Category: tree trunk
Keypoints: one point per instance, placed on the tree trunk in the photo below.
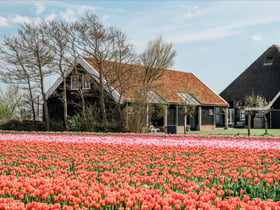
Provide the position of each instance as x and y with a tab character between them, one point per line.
185	123
46	110
147	118
83	104
102	98
265	124
249	124
32	101
65	103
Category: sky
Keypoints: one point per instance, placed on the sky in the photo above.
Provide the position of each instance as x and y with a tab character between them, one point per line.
215	40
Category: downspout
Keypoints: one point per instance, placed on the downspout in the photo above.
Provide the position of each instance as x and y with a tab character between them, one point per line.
127	115
226	118
199	118
177	113
165	118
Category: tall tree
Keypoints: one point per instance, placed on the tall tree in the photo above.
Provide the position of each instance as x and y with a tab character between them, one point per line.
102	44
15	68
59	45
38	57
117	74
95	42
158	56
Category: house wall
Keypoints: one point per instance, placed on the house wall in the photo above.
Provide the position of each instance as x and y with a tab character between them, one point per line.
207	118
171	115
207	127
74	101
275	115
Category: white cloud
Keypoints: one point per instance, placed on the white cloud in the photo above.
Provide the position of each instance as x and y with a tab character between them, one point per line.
50	17
39	8
192	12
105	17
21	19
4	22
257	38
68	15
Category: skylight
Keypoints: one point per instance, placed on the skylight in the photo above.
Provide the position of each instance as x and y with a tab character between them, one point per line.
268	61
190	100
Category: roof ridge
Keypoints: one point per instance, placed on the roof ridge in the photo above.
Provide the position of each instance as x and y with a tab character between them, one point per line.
132	64
277	46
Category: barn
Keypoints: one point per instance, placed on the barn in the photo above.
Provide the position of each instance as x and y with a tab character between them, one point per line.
172	90
261	78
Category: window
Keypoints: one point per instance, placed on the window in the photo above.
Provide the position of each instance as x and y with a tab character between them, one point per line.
86	82
75	83
242	115
268	61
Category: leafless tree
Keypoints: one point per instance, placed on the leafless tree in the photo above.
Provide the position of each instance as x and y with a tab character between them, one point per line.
118	74
38	57
15	68
9	103
60	46
102	44
255	103
158	56
94	40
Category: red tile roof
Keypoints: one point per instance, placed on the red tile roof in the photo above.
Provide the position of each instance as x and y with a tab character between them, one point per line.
168	85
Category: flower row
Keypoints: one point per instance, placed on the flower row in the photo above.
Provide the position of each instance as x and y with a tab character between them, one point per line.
81	172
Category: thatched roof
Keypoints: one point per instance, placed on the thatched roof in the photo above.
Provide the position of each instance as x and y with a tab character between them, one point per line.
262	78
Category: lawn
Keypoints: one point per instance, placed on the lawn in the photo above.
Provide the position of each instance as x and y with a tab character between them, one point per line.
237	131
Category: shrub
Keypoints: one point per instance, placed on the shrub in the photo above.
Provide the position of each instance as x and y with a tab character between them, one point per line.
26	125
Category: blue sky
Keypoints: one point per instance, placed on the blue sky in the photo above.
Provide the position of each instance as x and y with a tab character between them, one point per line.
215	40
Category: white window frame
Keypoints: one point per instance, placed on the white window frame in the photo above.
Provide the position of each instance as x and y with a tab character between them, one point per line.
242	115
77	85
86	83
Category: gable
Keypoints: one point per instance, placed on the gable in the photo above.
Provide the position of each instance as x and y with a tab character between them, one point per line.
262	78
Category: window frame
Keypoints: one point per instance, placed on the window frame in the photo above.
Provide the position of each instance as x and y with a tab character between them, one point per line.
242	115
86	80
268	61
77	85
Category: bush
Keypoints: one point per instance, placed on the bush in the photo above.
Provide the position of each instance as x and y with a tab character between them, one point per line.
89	123
26	125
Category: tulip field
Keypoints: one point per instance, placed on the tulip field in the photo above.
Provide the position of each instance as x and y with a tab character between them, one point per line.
58	171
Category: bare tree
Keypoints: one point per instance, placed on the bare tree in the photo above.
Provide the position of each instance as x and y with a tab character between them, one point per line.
95	42
118	74
158	56
38	57
15	69
102	44
9	103
60	45
255	103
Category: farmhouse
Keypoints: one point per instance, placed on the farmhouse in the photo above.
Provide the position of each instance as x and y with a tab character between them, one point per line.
261	78
171	91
